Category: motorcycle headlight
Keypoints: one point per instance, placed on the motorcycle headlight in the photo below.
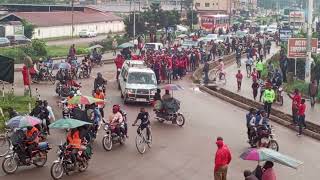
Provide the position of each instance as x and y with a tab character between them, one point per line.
106	127
129	91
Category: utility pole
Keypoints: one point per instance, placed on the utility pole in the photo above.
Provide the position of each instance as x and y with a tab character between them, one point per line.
309	46
134	20
72	14
192	16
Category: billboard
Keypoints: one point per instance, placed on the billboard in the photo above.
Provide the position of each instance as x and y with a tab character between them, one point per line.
285	34
297	47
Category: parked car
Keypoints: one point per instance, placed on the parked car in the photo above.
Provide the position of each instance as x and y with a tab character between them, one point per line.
18	39
87	33
4	42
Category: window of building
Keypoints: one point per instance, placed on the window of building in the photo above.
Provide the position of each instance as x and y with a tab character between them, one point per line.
206	4
212	4
197	4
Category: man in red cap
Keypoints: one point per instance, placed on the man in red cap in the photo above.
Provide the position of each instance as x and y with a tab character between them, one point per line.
222	160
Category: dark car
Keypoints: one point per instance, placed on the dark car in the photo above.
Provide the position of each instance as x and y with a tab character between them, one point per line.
18	39
4	42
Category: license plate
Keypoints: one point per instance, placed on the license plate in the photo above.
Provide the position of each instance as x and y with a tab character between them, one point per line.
140	99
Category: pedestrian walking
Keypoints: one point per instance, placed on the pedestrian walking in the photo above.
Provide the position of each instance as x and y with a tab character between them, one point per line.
296	101
206	72
114	46
301	116
268	171
254	75
222	160
249	176
255	86
239	77
313	92
268	98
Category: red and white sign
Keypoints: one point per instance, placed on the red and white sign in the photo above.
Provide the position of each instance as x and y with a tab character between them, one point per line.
297	47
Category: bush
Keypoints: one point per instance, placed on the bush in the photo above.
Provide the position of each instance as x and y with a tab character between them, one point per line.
298	84
82	51
107	43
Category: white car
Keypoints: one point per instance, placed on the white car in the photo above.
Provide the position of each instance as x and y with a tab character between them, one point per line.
87	33
272	29
137	83
209	37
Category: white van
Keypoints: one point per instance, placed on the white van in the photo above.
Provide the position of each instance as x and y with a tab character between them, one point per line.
153	46
137	84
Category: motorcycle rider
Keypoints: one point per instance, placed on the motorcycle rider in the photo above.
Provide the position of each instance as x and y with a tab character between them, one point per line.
74	144
41	112
166	96
96	56
250	117
115	119
261	124
99	81
32	140
100	95
143	116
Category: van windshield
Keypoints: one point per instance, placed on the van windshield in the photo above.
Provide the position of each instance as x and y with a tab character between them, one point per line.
141	78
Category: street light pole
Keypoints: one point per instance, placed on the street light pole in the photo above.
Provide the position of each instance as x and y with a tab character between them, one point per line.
192	16
72	23
134	20
309	40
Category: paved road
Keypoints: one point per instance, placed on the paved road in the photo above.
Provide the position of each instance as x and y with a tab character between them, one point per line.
178	153
312	114
76	40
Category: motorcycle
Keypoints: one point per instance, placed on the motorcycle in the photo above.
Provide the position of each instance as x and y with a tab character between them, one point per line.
263	138
102	86
18	157
112	137
175	118
64	163
63	90
83	72
45	74
280	95
96	60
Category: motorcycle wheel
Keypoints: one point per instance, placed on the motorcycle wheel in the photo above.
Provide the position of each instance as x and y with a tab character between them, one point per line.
273	145
41	159
9	165
160	120
83	165
4	146
180	120
122	139
56	170
107	143
52	79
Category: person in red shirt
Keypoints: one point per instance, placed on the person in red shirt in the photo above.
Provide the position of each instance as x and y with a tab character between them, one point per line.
239	77
296	101
254	75
222	160
301	116
119	60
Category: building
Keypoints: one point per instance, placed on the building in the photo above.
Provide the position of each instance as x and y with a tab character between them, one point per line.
214	6
59	23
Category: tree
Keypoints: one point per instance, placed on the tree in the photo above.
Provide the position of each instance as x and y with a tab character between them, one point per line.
28	29
191	20
140	24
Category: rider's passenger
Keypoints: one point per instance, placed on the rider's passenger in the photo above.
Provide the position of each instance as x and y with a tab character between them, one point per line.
143	116
166	96
32	139
115	119
157	95
74	143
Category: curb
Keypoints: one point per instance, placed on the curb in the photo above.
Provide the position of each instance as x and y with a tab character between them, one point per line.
273	117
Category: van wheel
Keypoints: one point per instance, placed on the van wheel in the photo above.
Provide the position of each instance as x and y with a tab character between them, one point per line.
121	94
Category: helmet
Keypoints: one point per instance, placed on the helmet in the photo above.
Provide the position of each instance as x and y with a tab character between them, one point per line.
99	74
116	108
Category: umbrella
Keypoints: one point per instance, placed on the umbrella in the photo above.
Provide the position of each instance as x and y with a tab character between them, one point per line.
265	154
95	46
84	100
23	121
182	36
126	45
172	87
67	124
64	65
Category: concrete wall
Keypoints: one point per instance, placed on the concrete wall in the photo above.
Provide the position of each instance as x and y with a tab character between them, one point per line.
60	31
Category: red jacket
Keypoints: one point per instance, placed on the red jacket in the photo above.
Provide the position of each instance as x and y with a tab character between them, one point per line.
119	62
25	76
223	155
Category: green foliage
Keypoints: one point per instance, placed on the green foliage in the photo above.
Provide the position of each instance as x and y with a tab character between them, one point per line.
107	43
151	20
19	103
298	84
191	21
28	29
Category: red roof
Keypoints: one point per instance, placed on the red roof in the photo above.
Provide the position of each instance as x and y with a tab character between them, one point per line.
60	18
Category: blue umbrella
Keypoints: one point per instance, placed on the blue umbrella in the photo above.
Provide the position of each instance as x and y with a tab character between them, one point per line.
23	121
64	65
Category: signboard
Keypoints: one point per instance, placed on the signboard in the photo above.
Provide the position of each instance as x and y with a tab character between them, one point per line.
285	34
297	47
